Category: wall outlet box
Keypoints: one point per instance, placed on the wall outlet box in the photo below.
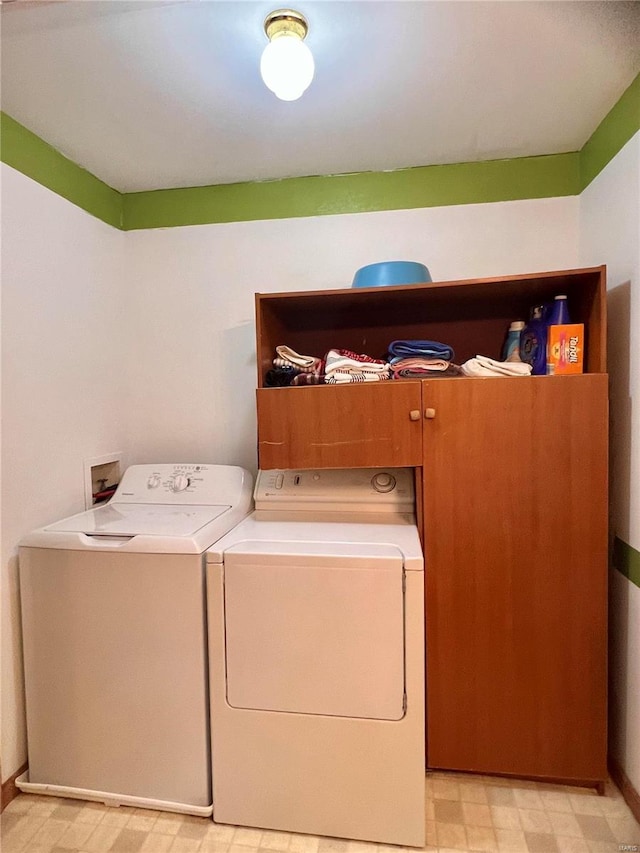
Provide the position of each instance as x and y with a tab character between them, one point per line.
100	473
565	349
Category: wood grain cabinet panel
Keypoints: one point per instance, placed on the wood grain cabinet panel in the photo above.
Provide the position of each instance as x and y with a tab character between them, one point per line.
515	496
359	426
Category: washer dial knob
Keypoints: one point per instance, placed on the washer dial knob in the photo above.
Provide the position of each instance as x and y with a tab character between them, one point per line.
383	482
154	481
179	483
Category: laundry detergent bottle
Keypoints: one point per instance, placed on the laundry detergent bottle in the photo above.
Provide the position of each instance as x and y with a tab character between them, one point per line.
511	348
559	313
533	341
558	316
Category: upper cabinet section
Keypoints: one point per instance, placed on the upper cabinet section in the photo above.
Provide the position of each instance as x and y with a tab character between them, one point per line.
471	316
371	425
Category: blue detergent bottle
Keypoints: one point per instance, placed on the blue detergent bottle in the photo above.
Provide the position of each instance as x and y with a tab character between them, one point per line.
559	313
558	316
533	340
511	348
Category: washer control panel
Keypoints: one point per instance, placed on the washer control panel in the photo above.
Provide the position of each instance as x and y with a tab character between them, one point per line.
185	483
357	489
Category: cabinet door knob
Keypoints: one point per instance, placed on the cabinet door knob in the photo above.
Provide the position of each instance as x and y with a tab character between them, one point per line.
429	413
414	414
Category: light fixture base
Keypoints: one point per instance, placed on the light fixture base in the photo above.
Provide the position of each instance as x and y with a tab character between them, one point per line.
285	22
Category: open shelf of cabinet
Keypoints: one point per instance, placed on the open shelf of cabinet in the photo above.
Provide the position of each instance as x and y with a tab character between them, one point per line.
472	316
327	426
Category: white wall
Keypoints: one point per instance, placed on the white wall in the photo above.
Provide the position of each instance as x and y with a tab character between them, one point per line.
610	232
63	298
145	341
193	300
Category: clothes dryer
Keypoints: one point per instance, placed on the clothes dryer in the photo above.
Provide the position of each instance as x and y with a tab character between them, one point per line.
114	624
316	652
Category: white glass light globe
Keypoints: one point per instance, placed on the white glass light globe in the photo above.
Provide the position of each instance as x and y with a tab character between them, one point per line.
287	67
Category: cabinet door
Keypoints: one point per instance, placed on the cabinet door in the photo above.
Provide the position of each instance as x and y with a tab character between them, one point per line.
515	502
355	426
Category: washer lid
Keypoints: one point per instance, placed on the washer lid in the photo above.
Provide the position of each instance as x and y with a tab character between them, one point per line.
118	519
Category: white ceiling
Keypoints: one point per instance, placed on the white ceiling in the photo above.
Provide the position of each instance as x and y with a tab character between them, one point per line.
153	94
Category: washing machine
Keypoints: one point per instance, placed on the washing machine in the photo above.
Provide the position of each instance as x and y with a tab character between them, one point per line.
316	655
115	651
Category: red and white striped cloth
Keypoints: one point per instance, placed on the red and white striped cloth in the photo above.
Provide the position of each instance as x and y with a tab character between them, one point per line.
344	366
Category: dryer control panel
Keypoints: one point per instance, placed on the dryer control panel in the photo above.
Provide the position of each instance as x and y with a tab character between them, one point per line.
330	490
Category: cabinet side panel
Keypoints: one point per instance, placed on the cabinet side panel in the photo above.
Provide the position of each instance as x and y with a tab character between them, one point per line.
515	501
597	326
270	332
358	426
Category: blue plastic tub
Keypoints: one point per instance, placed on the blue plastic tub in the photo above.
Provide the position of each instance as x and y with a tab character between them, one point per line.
391	272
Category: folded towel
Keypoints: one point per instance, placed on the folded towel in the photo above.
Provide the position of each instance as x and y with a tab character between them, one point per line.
428	349
359	357
308	379
289	355
402	371
482	365
426	363
345	361
316	368
343	377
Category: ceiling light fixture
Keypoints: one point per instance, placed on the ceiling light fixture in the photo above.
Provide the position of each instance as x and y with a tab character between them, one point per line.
287	63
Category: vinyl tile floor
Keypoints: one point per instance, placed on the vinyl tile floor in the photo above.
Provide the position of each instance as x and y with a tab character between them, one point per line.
472	813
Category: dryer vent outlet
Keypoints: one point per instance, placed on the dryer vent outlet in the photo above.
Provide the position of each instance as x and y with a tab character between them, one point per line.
101	476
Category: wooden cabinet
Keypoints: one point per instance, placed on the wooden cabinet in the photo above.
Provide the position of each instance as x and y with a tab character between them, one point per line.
515	486
471	316
513	504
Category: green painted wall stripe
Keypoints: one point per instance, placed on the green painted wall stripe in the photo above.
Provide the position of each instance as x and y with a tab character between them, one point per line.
29	154
425	186
626	560
613	132
421	186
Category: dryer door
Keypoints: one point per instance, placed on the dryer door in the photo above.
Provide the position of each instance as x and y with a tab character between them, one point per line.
315	628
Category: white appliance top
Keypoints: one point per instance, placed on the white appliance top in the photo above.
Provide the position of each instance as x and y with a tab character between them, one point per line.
316	541
166	508
318	552
356	512
354	490
140	519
